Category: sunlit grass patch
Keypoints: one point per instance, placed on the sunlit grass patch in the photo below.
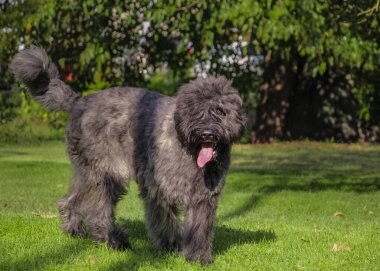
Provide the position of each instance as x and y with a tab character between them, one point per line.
285	206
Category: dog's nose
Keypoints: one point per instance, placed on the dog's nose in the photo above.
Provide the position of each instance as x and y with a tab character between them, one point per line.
208	135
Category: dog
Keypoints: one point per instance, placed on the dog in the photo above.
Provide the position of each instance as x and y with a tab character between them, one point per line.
176	148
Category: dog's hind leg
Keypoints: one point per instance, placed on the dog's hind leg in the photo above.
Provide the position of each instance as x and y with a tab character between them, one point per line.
97	209
68	208
89	209
163	224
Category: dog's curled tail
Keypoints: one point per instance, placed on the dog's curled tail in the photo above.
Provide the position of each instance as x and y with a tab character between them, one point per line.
34	69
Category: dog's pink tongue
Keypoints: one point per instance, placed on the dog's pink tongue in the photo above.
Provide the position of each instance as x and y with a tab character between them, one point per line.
205	155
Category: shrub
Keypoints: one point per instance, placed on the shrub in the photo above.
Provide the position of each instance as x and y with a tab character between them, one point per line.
22	120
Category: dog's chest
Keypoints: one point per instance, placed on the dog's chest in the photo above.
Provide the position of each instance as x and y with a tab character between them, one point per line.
174	174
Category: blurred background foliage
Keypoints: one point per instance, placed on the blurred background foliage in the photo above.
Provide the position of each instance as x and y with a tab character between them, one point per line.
305	69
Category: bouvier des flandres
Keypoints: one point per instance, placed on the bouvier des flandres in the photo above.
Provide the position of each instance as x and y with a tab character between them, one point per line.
176	148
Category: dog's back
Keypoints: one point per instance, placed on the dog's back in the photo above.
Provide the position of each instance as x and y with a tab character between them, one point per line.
110	129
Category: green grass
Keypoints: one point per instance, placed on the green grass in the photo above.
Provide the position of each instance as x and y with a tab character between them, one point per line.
276	213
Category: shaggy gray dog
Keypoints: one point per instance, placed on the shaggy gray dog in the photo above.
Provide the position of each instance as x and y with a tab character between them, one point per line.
176	148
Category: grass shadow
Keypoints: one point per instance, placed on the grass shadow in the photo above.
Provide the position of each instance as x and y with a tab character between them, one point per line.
6	153
41	261
226	237
362	185
135	229
142	252
245	207
306	163
146	254
264	174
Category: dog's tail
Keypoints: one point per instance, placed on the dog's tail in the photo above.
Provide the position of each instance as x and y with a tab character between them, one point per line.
34	69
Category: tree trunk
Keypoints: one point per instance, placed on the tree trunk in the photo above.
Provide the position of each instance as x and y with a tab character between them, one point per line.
278	81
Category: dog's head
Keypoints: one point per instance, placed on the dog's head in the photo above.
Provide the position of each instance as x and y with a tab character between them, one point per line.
208	117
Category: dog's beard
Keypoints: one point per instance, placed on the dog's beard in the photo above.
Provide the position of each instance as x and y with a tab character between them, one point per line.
205	155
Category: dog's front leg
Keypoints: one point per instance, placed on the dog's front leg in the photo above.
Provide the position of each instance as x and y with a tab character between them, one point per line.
198	232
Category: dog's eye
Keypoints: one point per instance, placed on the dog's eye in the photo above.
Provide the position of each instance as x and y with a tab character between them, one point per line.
220	111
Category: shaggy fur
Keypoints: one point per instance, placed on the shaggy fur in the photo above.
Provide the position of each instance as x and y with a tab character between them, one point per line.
164	143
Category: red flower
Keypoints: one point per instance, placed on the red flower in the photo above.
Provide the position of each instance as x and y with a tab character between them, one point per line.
69	77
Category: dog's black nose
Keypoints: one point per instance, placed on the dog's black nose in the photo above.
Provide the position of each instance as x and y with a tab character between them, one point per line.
208	135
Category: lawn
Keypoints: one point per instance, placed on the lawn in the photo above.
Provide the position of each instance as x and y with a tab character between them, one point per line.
288	206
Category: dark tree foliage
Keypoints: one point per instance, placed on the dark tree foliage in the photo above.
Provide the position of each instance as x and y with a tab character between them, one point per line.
306	69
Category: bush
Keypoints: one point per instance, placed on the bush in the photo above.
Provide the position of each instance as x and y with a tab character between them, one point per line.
22	120
28	131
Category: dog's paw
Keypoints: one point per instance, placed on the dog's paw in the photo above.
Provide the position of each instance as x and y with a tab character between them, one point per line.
74	229
76	233
119	240
123	244
205	259
164	245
